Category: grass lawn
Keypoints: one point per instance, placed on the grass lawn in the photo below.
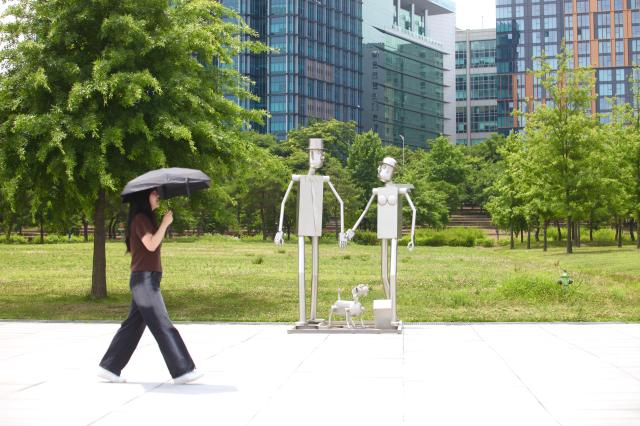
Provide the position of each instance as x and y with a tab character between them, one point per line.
219	279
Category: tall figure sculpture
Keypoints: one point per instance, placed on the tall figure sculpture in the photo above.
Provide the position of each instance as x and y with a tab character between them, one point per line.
310	191
389	225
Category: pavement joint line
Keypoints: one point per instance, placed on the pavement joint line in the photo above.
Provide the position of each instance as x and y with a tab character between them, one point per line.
126	403
226	348
287	379
599	358
30	386
516	375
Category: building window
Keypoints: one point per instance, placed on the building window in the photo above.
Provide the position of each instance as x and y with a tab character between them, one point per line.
461	120
278	25
461	87
483	86
278	104
483	118
483	53
461	54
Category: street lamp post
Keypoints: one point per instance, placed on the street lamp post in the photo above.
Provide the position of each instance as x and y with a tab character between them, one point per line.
402	137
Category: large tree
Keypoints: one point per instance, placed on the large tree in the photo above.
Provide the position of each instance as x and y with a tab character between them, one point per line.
94	92
561	137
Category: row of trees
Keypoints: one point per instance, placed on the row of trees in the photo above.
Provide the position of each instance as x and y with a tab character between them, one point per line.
569	165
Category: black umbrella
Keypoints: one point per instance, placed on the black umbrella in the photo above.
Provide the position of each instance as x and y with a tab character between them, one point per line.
170	183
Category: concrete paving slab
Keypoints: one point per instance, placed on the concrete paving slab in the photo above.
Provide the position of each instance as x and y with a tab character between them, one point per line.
258	374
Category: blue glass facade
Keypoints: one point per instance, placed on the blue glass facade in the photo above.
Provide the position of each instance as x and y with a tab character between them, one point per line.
404	86
316	72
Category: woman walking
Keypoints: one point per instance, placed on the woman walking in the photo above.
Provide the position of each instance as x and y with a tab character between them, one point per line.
144	238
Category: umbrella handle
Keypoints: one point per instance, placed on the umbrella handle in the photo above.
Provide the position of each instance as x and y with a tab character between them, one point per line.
188	191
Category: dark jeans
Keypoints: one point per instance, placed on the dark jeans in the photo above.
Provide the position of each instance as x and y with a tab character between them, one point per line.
147	309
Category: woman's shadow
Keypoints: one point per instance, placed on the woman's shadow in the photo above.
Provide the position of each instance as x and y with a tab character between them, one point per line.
189	389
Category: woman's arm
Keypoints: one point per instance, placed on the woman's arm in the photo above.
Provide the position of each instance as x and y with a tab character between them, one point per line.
152	241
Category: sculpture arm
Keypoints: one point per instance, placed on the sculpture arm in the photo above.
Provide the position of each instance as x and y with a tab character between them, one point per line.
333	189
342	241
413	221
352	231
278	238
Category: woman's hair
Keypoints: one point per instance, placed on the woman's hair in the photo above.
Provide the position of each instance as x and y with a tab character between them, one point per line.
139	204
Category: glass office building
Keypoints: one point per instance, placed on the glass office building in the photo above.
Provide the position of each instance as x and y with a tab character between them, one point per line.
476	95
316	73
603	34
409	70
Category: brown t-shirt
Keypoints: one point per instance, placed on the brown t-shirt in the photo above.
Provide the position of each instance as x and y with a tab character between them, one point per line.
141	258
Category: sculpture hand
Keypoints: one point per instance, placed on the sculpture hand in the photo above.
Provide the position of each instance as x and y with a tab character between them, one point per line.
343	240
278	238
350	234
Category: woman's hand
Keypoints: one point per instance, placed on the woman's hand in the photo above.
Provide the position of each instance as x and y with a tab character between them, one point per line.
167	219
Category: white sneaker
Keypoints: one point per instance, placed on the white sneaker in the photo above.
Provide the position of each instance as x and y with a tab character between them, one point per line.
109	376
188	377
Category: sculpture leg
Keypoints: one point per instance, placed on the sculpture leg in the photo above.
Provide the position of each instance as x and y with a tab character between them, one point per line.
314	276
301	295
394	268
384	261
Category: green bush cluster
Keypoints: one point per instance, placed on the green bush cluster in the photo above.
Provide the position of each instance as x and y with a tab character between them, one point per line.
48	239
452	237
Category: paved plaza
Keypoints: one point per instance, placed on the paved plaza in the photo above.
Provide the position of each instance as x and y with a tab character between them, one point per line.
257	374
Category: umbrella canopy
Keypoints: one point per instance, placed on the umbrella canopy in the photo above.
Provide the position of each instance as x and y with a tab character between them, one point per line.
170	182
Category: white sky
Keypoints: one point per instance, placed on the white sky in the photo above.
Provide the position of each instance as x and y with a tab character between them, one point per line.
475	14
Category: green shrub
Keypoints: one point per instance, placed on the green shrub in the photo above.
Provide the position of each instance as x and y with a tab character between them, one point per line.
486	242
455	237
366	238
14	239
604	237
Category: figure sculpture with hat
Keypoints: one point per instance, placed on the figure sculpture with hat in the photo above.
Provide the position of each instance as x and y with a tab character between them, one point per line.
309	224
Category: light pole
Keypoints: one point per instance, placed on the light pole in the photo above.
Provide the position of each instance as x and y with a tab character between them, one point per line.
402	137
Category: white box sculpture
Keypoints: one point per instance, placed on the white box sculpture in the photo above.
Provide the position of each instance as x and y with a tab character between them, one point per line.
309	224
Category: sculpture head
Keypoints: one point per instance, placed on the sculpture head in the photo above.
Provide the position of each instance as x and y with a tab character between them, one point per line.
386	169
316	154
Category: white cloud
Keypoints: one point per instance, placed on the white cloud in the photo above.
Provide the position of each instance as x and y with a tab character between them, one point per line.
474	14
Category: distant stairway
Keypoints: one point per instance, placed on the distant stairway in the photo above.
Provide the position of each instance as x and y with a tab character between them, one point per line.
473	217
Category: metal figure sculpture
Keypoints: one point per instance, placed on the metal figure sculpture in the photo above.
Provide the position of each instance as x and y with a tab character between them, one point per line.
389	226
309	215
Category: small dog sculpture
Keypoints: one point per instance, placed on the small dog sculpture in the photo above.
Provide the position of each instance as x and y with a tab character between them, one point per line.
348	308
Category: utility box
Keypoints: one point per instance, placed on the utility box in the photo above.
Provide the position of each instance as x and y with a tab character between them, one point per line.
382	313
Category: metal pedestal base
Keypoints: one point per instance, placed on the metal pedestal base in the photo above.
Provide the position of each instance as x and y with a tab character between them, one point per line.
340	327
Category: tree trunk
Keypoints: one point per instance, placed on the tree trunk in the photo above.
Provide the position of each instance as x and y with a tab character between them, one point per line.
99	275
544	235
620	228
521	236
114	228
264	225
559	230
85	224
590	231
497	234
631	223
11	224
537	234
569	240
576	234
41	229
511	232
528	238
638	230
